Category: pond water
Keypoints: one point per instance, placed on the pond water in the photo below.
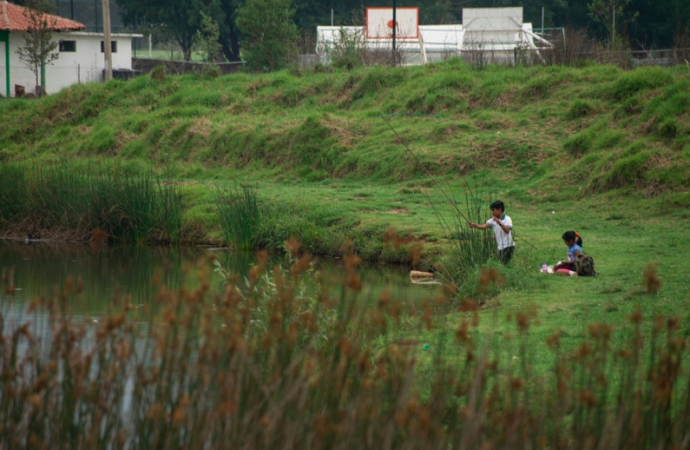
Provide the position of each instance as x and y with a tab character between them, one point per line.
38	269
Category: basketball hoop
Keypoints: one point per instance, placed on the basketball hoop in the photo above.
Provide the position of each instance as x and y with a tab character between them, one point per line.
380	23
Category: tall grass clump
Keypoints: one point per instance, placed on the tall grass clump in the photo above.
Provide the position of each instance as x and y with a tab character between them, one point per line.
469	249
240	215
267	365
128	205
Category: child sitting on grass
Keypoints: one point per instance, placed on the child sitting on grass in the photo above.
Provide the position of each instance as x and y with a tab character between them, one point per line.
502	226
574	243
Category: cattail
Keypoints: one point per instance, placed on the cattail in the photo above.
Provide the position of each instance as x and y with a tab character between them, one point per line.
554	341
488	276
651	280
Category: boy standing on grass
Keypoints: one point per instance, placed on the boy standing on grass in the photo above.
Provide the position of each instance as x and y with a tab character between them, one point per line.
503	229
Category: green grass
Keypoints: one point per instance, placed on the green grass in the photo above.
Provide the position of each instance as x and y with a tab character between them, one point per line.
599	150
599	143
127	205
240	216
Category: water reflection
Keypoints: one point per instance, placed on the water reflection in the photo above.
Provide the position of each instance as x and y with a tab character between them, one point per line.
38	269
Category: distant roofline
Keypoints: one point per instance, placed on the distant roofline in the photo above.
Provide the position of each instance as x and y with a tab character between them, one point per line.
12	18
92	33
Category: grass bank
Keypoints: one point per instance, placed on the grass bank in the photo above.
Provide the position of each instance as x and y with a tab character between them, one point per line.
596	149
83	201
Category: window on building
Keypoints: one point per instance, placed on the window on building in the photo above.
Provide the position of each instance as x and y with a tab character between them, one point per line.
113	47
68	46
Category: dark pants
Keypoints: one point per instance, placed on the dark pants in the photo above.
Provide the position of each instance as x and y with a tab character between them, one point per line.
505	254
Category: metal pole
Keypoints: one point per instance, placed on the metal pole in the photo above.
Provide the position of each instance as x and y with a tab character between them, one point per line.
6	39
150	47
331	16
613	29
107	50
542	21
394	27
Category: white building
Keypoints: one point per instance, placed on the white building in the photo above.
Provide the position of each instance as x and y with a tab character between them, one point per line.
80	60
496	32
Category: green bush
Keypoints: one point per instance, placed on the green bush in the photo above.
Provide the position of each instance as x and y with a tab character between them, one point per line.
158	73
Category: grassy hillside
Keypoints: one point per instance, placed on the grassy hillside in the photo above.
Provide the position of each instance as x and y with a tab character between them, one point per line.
597	150
591	129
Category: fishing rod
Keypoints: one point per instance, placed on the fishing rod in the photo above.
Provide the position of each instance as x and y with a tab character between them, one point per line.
400	139
438	185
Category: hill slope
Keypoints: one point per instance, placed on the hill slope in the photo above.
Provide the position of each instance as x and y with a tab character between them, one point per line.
581	130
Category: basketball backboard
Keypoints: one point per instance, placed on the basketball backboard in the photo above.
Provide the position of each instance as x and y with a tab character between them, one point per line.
380	23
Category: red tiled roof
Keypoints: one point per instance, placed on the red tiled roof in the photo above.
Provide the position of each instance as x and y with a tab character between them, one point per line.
12	18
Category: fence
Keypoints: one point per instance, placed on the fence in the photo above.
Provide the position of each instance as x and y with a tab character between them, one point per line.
57	77
146	65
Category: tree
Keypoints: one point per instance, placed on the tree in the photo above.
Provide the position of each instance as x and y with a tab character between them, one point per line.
604	11
225	12
39	48
208	38
180	20
270	33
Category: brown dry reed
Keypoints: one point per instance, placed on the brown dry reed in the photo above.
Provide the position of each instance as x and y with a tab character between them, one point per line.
264	366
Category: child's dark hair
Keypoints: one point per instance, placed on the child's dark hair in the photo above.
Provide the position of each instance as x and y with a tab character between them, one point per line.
498	205
572	236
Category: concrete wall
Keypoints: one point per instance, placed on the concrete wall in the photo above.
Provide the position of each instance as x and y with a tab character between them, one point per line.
83	66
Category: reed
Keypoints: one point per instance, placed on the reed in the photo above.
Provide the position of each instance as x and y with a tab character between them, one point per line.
240	215
264	365
469	249
128	205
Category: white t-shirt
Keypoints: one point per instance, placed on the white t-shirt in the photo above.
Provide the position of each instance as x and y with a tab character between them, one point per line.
503	239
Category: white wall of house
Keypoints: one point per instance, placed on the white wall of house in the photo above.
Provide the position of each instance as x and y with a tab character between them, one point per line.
84	65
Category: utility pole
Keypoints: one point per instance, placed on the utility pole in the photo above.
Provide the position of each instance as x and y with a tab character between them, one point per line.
95	14
394	27
542	21
106	41
613	27
331	16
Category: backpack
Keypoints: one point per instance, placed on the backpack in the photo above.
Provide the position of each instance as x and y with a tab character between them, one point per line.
584	266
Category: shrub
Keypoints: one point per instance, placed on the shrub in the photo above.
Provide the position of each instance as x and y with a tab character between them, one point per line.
263	50
158	73
210	71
